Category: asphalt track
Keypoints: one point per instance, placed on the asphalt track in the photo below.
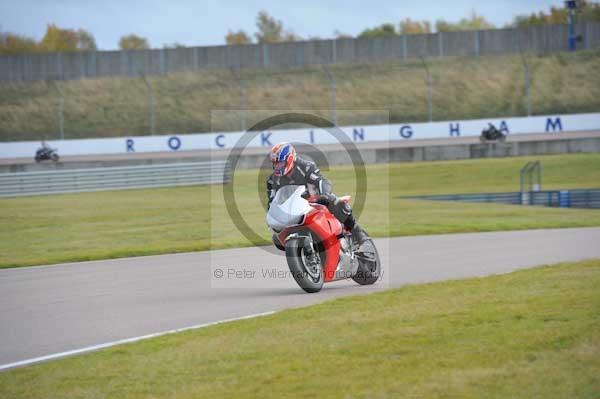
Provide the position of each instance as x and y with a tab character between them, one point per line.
53	309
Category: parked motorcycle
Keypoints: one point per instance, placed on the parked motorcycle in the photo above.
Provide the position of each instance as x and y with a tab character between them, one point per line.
492	134
45	153
318	248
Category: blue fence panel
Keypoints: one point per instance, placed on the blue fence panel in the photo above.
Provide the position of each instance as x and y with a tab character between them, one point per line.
580	198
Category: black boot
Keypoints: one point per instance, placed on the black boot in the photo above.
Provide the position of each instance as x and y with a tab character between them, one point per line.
359	235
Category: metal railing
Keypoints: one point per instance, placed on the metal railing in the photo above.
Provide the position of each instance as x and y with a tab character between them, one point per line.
114	178
578	198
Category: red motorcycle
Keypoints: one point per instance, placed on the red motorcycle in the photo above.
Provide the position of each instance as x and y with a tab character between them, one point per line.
318	248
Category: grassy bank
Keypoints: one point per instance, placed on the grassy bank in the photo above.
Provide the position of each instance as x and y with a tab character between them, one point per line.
463	88
533	333
73	227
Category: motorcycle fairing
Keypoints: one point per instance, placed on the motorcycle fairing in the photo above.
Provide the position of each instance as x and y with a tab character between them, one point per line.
288	208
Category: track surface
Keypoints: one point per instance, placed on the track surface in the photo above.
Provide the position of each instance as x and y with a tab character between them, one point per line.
50	309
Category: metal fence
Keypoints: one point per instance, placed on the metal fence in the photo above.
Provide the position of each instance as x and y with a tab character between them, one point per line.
77	65
579	198
113	178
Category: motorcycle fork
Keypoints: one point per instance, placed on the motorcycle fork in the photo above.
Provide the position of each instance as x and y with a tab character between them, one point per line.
309	249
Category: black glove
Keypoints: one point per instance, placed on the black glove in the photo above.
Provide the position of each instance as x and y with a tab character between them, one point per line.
326	199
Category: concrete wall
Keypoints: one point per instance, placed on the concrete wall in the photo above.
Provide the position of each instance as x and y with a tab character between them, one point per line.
380	153
78	65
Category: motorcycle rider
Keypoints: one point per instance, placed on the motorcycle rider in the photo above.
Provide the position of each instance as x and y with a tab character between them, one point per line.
45	152
291	169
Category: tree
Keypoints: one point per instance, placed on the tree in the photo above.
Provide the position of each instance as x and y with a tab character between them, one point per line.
558	15
11	44
270	30
474	22
85	41
289	36
57	39
133	42
239	37
410	27
383	30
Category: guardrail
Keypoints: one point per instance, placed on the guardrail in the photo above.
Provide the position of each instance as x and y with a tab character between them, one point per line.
579	198
114	178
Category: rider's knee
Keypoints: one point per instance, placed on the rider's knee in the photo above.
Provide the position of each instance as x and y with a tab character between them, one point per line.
341	210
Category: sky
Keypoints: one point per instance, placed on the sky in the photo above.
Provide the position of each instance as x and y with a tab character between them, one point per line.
205	23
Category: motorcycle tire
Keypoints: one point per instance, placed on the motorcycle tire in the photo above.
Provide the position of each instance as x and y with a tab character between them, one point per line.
368	273
55	157
293	253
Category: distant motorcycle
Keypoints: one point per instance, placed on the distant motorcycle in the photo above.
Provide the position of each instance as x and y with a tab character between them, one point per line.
492	134
46	153
318	248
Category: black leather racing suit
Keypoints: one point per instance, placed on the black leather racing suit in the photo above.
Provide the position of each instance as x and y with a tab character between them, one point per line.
307	173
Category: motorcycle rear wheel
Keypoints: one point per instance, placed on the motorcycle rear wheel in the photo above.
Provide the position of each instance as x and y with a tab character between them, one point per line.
294	249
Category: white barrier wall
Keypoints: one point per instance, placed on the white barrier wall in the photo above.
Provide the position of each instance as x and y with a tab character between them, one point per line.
358	134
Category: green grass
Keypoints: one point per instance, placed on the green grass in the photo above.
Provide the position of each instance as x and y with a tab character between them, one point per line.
463	88
528	334
86	226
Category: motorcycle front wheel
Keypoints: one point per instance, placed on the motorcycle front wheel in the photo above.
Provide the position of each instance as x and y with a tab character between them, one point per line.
309	278
55	157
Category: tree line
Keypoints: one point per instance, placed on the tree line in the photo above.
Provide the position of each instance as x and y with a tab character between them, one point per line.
61	40
271	30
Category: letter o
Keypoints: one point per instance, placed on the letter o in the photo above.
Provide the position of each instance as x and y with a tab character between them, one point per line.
174	143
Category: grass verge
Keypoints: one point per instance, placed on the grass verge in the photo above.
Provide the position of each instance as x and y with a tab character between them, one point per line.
532	333
112	224
462	88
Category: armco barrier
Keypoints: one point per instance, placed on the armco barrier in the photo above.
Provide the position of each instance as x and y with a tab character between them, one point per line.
113	178
579	198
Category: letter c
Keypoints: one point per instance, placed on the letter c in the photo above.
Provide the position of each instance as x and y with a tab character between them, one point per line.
218	141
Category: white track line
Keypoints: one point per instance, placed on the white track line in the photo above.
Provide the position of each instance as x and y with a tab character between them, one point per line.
124	341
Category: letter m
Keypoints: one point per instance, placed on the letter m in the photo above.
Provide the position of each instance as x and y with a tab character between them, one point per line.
554	124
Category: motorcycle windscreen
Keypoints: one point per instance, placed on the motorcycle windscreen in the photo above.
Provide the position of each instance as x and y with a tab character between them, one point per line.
288	208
